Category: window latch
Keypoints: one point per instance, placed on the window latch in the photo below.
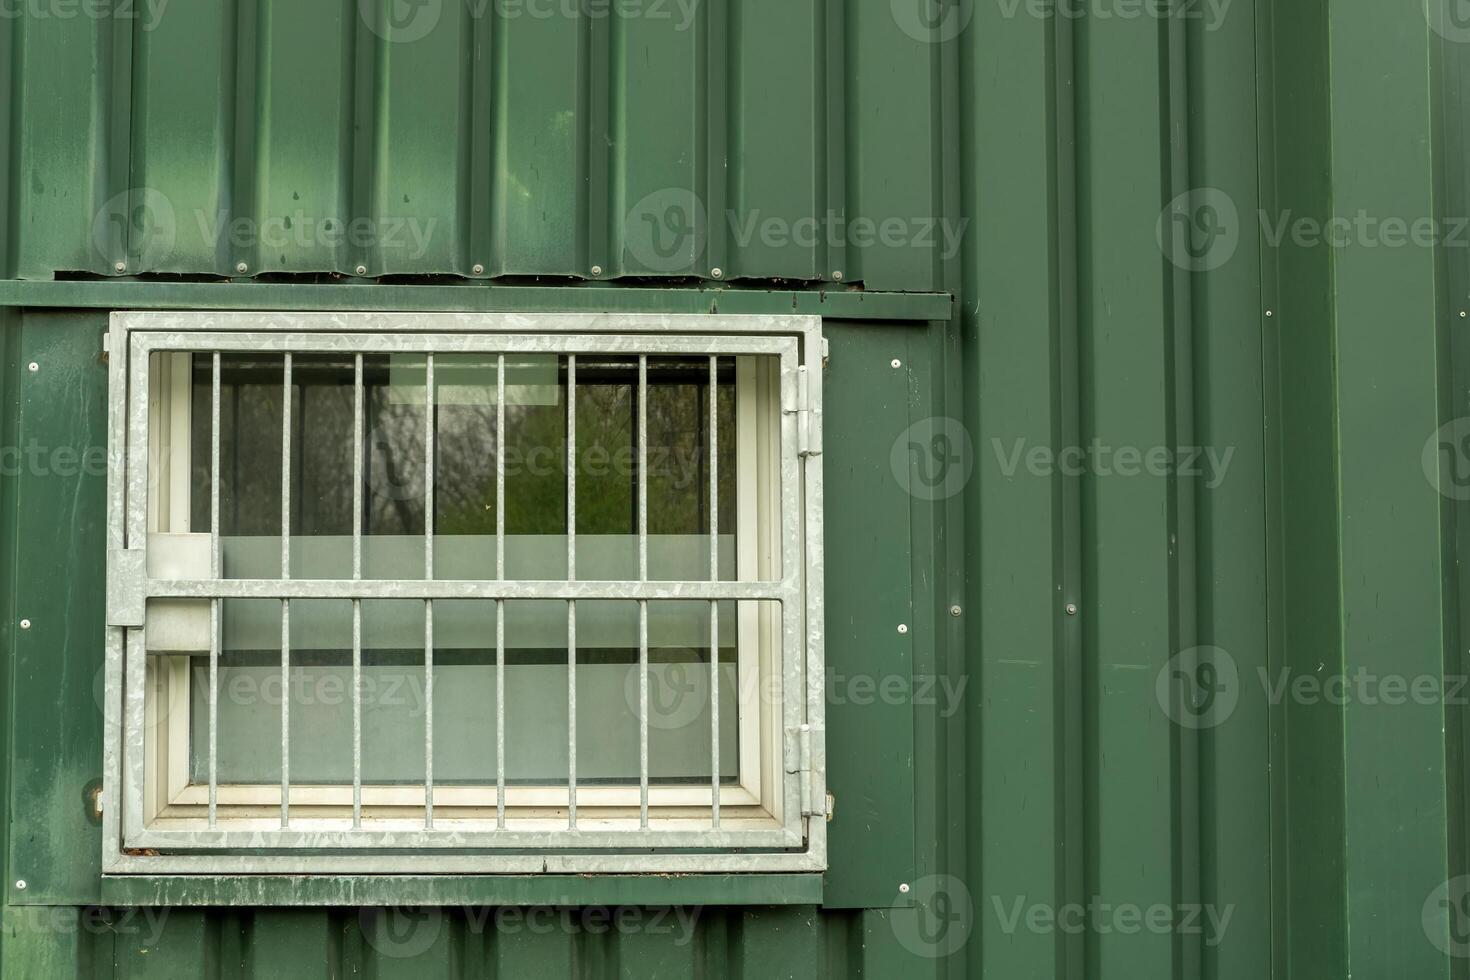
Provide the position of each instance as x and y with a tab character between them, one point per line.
125	576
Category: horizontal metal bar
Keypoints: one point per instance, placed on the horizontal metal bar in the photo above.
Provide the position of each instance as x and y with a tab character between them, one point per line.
337	342
813	859
451	836
462	890
842	303
463	589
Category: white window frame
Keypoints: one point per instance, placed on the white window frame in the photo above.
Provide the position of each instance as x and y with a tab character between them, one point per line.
786	780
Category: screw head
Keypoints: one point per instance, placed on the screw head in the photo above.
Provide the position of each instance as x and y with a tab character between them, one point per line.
597	270
903	888
717	272
896	363
837	276
1071	609
120	267
25	624
478	269
362	270
1463	314
1270	313
956	611
33	367
20	885
903	628
242	268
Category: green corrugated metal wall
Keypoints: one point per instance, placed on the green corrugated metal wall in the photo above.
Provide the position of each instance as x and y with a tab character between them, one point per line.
538	146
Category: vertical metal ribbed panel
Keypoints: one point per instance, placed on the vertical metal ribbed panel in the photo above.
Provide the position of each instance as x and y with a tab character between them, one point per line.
723	140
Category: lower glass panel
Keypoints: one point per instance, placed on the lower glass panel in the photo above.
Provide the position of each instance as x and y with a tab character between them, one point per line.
395	693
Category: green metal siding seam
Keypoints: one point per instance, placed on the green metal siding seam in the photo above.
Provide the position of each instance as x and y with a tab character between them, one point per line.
1071	586
1313	922
1182	513
475	298
9	405
1271	433
10	28
1452	197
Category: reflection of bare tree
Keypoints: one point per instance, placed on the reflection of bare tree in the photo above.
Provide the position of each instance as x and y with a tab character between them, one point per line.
466	449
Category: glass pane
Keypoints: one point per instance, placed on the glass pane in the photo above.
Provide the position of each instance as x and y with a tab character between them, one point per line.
464	692
679	722
322	431
536	692
466	445
321	453
679	467
395	694
250	696
535	467
396	463
607	725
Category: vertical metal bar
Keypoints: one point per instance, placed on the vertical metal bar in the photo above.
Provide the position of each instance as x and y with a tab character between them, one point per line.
643	603
572	714
286	603
714	574
429	467
215	571
428	604
358	426
643	468
286	469
500	603
571	467
500	468
500	713
572	604
356	714
428	714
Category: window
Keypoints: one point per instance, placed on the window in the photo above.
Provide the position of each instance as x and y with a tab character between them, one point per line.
498	593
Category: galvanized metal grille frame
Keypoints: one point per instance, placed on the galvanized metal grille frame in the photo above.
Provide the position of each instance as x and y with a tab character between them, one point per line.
797	843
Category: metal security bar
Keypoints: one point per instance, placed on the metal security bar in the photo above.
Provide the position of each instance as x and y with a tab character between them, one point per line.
775	833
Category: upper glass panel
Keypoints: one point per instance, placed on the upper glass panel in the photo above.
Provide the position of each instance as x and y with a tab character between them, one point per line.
475	467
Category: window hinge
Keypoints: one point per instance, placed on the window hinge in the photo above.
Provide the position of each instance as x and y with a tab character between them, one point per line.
808	433
802	762
125	578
